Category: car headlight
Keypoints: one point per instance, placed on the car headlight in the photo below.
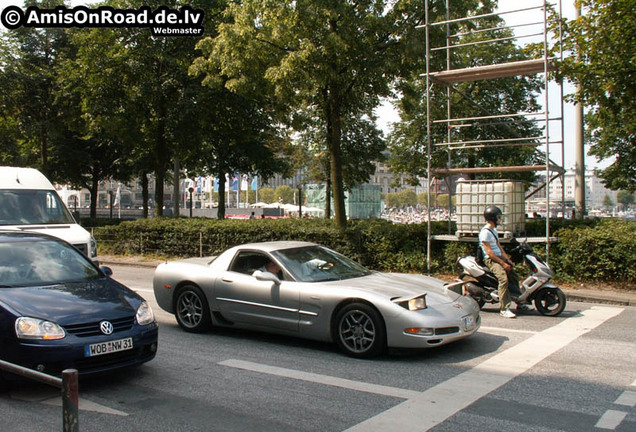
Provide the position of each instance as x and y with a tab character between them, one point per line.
144	314
33	328
413	304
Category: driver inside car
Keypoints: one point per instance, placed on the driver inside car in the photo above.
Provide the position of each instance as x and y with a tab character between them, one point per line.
272	267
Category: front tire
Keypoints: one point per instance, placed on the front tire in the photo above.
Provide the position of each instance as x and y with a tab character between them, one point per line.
191	310
359	331
550	301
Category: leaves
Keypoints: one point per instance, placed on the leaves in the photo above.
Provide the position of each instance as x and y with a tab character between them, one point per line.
602	43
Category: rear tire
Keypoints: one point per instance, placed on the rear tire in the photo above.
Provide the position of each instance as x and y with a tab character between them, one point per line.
192	310
550	301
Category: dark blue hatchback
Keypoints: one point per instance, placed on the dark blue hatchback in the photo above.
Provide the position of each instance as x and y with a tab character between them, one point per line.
59	311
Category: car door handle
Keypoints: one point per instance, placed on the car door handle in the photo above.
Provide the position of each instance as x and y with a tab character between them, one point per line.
227	280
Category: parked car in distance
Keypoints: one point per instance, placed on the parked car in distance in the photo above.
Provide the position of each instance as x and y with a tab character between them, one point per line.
309	291
58	310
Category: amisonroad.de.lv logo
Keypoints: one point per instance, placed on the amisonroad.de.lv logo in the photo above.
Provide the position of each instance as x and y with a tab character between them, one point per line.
162	21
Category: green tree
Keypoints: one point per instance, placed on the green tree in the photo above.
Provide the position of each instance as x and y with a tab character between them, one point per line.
285	194
29	108
422	199
602	64
607	201
335	58
267	195
98	112
363	145
626	198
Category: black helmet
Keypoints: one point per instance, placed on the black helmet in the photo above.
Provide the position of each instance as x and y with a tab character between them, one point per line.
491	213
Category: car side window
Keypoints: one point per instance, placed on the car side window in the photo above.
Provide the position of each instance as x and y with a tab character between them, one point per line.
247	262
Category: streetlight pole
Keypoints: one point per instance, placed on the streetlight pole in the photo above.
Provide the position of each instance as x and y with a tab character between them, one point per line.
110	203
190	189
579	167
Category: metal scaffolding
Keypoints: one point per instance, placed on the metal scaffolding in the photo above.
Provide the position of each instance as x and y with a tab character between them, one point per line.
449	78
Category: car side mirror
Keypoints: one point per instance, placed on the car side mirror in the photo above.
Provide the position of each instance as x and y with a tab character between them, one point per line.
266	277
106	270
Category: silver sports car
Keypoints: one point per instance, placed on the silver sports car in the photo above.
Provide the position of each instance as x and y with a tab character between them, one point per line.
306	290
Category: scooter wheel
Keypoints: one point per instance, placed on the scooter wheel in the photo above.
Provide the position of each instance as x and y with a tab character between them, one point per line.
550	301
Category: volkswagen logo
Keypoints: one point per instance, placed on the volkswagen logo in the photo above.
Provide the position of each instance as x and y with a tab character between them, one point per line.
106	327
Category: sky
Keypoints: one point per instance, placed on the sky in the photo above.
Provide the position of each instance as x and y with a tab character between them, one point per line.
388	115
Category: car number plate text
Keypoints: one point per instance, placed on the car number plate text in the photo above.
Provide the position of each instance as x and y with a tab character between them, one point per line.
108	347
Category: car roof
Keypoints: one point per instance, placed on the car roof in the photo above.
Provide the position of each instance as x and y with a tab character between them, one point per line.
23	178
275	245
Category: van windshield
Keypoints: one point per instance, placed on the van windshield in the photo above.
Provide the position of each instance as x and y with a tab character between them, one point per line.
32	207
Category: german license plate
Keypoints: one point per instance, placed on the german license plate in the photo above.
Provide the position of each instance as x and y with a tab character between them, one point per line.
108	347
469	322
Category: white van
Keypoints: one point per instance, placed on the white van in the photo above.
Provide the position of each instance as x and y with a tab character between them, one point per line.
29	202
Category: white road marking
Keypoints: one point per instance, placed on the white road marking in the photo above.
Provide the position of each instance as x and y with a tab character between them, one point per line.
611	419
437	404
499	330
321	379
423	410
53	397
628	398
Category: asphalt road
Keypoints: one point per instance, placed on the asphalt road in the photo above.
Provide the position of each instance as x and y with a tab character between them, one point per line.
576	372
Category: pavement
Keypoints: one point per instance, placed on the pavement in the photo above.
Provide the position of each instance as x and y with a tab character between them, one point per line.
585	293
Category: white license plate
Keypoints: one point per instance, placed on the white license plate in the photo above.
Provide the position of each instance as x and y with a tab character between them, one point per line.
108	347
469	322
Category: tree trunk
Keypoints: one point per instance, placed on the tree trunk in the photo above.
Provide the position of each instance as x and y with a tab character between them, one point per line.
334	135
328	200
161	158
94	187
144	193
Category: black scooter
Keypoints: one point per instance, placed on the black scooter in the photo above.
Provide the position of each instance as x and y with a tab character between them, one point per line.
481	284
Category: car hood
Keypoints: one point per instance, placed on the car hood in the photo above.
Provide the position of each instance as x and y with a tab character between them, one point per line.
398	285
74	302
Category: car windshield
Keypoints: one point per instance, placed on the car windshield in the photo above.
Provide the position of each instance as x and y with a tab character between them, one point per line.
319	264
32	207
29	262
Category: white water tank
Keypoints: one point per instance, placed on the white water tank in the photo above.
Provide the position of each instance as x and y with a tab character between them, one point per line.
473	196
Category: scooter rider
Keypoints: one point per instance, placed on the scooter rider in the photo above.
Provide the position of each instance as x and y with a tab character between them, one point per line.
497	260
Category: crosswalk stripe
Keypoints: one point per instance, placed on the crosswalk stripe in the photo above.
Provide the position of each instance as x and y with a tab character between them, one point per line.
437	404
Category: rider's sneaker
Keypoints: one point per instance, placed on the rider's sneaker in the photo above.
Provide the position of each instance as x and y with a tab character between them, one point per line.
523	307
508	314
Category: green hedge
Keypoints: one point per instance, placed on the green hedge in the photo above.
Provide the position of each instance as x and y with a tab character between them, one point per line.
586	250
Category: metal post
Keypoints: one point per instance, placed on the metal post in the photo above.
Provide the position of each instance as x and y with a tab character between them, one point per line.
190	190
110	204
579	167
70	400
176	188
547	129
68	384
428	138
300	201
200	244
